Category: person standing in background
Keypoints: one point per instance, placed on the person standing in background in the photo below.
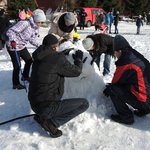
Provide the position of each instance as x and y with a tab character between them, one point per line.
4	24
116	21
110	21
83	15
139	23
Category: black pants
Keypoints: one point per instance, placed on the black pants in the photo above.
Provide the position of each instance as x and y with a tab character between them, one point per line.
25	55
121	96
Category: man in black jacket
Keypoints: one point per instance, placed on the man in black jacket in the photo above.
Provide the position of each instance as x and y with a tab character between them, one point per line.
130	84
47	86
4	24
97	45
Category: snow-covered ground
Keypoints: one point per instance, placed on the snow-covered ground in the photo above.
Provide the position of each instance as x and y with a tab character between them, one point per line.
92	130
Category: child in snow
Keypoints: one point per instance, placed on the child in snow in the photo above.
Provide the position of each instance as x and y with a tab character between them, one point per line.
19	35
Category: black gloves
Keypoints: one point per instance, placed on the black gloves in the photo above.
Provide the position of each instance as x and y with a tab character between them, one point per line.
107	90
78	55
66	51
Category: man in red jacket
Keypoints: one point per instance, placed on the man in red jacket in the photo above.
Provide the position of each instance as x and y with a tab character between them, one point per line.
130	84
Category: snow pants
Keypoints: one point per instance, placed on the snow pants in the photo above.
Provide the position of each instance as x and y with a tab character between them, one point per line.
25	55
121	96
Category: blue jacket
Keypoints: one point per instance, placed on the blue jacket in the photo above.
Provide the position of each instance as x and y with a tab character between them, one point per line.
139	22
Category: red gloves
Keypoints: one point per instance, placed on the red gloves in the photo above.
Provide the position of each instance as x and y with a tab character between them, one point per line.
13	44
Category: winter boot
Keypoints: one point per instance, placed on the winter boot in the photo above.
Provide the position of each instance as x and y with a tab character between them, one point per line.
118	119
141	113
18	86
48	126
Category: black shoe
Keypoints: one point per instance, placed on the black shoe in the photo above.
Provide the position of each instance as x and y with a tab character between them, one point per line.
25	79
48	126
18	86
141	113
118	119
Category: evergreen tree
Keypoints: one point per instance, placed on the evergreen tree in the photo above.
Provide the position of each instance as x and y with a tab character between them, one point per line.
16	5
111	5
137	7
86	3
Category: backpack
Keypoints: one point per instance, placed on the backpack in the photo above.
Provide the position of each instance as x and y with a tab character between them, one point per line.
4	36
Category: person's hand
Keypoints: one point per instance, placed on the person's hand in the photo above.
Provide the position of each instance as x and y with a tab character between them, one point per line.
66	51
13	44
107	90
78	55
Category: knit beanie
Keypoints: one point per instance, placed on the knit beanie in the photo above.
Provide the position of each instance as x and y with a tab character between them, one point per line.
69	18
39	16
120	43
88	43
49	40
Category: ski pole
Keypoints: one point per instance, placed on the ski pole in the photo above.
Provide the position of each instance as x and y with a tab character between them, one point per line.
19	64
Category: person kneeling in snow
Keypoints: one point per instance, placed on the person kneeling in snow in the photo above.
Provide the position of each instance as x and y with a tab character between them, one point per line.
130	84
47	86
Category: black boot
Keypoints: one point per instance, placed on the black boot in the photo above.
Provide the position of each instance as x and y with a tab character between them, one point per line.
141	113
49	127
118	119
18	86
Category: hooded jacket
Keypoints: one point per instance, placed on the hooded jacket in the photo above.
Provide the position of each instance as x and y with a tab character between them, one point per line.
47	77
133	72
59	29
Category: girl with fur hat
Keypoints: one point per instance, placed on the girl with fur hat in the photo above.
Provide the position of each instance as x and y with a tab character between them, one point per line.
18	37
62	25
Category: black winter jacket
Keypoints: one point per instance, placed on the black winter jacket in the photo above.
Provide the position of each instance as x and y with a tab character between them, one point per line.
47	77
133	72
4	23
103	44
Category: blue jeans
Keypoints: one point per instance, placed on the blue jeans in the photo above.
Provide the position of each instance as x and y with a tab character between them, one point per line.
116	29
63	111
106	63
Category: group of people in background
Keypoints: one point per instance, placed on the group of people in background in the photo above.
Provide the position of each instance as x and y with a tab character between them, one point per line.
130	85
104	19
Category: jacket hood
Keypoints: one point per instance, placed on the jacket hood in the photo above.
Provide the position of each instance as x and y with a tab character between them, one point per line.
42	51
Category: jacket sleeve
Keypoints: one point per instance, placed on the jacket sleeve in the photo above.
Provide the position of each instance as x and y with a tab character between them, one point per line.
66	69
54	30
33	40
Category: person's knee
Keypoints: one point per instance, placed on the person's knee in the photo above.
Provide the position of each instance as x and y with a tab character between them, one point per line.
85	103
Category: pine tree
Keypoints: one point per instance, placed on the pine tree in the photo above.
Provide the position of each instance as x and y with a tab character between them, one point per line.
137	7
110	5
15	5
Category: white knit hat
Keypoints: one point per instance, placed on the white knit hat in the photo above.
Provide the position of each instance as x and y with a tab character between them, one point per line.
88	43
39	16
